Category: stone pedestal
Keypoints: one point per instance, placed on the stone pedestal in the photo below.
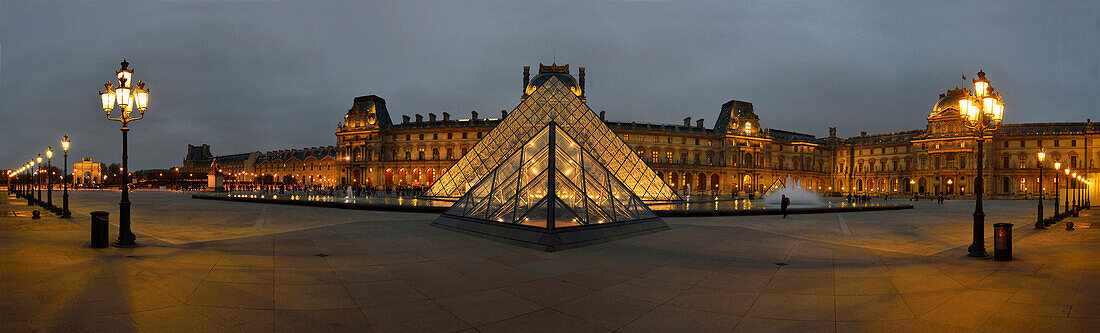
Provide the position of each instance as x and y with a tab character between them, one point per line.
214	181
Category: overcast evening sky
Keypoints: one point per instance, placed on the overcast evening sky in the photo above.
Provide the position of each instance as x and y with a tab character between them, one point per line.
256	76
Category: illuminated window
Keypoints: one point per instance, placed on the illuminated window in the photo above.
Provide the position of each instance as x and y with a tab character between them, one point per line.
668	157
655	156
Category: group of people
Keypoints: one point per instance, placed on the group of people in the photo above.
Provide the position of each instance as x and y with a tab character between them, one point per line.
335	191
940	197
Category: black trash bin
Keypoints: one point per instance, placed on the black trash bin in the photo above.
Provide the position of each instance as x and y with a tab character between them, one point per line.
99	229
1002	241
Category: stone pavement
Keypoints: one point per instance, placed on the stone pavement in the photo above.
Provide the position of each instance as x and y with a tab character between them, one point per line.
209	267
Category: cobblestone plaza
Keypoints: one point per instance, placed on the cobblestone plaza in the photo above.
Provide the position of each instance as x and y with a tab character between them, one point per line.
227	266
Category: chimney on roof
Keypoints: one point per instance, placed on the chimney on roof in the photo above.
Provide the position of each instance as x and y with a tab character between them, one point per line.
419	118
580	71
431	117
473	115
404	119
699	123
446	116
862	133
602	114
832	132
503	114
687	121
526	79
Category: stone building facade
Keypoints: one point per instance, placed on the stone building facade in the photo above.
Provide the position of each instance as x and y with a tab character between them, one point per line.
311	166
735	154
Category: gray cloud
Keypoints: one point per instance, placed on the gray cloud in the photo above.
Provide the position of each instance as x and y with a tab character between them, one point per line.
246	76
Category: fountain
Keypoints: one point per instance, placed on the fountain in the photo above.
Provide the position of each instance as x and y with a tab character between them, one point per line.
794	191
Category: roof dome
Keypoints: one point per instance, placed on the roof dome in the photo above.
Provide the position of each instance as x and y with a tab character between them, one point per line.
554	71
949	102
565	79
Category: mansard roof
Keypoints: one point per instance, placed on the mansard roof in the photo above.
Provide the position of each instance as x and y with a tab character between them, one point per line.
885	138
1029	129
792	136
279	156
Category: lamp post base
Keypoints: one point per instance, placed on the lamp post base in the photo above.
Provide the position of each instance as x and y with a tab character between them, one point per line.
977	252
125	241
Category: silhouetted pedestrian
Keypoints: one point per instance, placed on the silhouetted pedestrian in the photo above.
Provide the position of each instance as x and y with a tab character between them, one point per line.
783	203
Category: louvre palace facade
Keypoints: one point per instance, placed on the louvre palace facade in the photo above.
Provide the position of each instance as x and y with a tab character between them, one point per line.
734	154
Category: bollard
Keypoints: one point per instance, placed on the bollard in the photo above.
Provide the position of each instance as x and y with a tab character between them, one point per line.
36	215
99	229
1002	241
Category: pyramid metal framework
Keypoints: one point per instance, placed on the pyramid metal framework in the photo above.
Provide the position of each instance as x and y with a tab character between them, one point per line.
551	193
553	101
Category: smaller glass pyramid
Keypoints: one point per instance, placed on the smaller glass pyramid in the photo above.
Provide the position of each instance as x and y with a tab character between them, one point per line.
551	182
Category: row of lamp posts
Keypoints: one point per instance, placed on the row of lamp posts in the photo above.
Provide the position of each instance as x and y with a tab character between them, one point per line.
983	111
29	180
1077	193
127	99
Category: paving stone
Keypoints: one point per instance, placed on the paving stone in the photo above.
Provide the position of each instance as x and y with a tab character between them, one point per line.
414	316
486	307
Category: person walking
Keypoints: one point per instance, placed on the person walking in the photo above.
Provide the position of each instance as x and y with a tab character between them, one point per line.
783	203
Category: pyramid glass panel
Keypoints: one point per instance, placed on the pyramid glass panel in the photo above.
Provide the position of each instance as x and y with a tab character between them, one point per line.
550	182
552	102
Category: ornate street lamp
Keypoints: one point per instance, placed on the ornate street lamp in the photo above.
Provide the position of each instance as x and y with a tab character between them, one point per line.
28	190
128	100
49	178
1076	194
1057	168
983	112
65	197
1039	221
1068	193
38	177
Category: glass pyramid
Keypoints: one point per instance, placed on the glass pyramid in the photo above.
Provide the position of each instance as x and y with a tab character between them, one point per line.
551	182
553	102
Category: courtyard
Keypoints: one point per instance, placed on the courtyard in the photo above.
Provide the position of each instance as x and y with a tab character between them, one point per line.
225	266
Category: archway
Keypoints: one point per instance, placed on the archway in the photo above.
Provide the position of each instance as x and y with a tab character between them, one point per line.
715	183
415	179
675	178
388	180
702	183
922	185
